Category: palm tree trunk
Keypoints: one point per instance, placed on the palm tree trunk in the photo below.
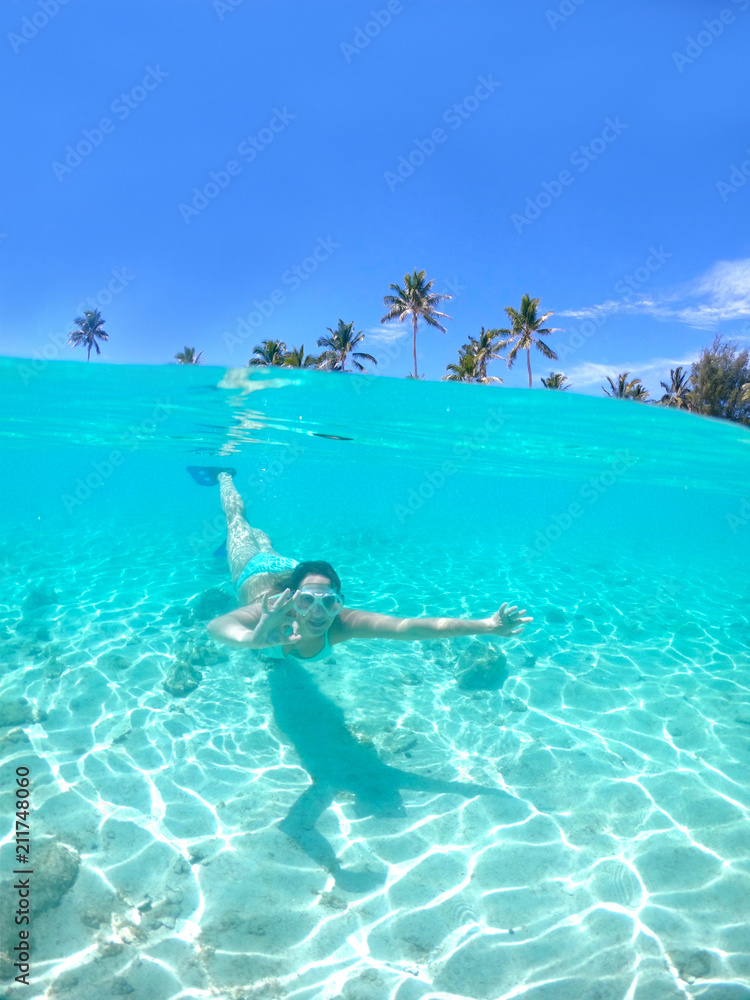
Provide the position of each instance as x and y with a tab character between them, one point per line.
414	347
528	364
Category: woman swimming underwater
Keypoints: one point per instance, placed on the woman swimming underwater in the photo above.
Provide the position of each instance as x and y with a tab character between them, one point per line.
297	609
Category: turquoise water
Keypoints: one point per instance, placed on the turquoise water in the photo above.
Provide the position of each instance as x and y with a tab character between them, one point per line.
579	832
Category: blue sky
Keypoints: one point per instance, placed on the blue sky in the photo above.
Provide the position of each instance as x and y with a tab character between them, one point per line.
585	153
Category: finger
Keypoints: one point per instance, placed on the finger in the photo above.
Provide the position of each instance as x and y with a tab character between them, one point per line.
281	600
503	606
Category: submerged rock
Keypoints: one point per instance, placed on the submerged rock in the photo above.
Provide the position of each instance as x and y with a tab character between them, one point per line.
113	661
481	668
207	656
555	616
14	739
693	965
178	613
56	867
40	597
213	603
182	679
18	712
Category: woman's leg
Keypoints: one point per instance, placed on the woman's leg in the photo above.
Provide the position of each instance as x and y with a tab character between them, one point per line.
243	542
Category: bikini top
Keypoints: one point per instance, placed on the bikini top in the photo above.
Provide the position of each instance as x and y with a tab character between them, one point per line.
277	652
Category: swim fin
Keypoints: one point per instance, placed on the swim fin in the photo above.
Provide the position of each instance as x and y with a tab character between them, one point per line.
207	475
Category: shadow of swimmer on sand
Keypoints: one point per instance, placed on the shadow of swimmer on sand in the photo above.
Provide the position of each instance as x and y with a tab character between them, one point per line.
338	762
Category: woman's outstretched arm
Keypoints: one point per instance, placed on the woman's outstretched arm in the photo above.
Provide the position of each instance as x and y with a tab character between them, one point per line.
368	625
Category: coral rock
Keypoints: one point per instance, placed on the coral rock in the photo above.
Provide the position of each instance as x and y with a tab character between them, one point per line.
56	867
213	603
481	668
113	661
182	679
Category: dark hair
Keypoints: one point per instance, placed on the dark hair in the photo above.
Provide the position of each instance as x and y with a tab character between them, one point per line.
310	567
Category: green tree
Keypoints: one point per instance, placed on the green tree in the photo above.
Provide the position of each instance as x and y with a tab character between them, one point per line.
678	392
486	348
415	300
188	357
472	361
296	358
526	330
269	352
90	329
719	377
341	344
633	389
555	380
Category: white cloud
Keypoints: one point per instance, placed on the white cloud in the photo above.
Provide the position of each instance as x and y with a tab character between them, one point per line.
653	370
388	333
719	295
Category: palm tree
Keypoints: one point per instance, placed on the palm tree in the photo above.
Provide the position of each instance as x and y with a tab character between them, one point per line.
678	389
296	358
269	352
555	381
486	349
525	329
339	345
416	300
89	329
472	365
634	389
188	357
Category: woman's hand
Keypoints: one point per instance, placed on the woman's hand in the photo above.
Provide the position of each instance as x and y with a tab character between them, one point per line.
507	621
275	625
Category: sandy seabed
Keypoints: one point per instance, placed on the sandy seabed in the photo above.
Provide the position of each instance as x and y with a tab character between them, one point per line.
580	834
